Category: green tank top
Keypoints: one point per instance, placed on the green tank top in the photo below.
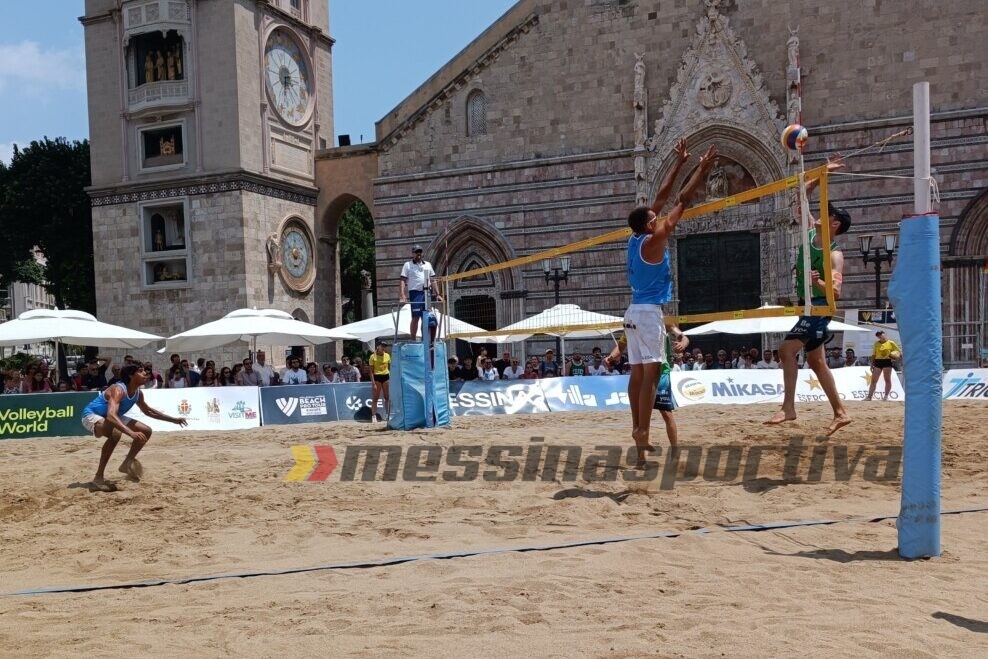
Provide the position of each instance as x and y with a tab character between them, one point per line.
667	364
578	369
816	263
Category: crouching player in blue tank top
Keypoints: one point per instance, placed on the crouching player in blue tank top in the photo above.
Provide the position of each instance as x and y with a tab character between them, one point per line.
650	278
107	417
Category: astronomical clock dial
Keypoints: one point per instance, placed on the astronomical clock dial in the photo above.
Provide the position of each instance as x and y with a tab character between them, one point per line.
287	78
298	269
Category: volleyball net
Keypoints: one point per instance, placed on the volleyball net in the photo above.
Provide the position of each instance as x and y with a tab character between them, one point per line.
594	269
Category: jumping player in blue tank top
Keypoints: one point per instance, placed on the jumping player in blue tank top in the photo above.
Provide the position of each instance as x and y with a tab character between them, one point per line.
650	278
106	416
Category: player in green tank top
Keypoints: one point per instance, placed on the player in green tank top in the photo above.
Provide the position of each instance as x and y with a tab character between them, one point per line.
810	332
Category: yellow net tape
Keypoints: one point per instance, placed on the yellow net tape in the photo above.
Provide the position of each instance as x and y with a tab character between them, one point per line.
618	234
691	319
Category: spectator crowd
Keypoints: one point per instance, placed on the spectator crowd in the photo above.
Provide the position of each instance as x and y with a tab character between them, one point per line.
100	372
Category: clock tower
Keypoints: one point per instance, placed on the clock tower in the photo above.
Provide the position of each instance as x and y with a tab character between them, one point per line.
204	121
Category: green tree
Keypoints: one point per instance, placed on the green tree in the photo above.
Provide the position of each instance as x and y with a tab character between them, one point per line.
44	205
356	254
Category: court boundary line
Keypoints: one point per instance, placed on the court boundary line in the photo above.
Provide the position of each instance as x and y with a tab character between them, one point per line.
399	560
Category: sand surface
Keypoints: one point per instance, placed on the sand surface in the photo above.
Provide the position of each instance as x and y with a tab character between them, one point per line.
215	503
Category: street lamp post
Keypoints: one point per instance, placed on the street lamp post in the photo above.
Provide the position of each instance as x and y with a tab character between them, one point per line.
556	272
875	256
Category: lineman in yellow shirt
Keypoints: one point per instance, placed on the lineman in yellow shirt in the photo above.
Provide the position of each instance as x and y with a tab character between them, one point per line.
380	363
882	354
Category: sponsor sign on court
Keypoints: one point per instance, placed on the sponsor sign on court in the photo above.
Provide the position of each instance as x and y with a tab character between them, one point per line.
203	408
302	403
734	387
42	415
499	397
966	384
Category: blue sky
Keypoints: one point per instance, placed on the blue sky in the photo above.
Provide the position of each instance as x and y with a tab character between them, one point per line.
384	50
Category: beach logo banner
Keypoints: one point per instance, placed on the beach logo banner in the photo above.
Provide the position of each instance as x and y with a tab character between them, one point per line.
298	403
966	384
287	405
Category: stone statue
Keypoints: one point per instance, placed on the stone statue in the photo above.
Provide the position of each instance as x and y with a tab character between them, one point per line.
178	61
640	102
171	65
717	185
793	47
639	81
148	69
365	281
159	66
159	241
274	252
715	90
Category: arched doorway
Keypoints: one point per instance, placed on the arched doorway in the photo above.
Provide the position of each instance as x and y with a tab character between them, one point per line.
347	273
965	288
489	300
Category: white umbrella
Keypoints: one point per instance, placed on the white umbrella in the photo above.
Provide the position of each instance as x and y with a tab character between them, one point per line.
773	325
369	329
568	321
70	326
265	326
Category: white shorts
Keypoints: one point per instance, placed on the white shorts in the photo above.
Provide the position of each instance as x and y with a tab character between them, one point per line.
645	330
90	420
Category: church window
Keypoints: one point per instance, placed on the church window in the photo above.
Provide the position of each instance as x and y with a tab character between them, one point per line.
476	113
164	239
162	147
296	8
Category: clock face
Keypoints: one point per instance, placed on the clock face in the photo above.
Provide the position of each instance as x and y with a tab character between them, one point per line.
287	77
296	253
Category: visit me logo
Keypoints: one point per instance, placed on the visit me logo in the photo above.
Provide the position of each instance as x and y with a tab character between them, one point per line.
969	386
692	389
23	421
241	411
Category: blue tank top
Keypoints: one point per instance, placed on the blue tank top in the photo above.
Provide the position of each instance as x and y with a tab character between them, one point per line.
99	405
651	283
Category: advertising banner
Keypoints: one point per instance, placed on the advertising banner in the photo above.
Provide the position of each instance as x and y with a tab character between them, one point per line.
580	394
353	401
733	387
500	397
204	408
966	384
300	403
43	415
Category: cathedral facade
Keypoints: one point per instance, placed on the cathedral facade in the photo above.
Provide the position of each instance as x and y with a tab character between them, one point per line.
559	119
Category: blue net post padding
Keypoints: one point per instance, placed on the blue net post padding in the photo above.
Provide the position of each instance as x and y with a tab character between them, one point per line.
410	406
915	292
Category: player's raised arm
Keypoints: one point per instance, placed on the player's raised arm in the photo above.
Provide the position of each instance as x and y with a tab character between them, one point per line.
662	230
662	196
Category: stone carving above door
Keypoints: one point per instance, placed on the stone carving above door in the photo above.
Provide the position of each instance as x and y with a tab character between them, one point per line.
717	86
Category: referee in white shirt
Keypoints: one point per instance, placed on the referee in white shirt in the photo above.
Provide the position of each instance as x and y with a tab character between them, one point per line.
415	276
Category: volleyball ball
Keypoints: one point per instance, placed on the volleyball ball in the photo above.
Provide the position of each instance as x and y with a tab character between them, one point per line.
794	137
896	355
